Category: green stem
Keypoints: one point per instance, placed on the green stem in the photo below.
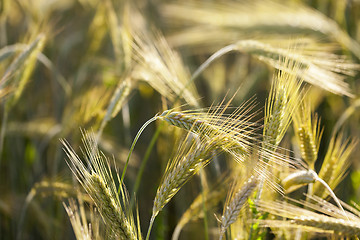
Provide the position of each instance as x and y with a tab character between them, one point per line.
150	227
206	225
2	131
144	162
133	146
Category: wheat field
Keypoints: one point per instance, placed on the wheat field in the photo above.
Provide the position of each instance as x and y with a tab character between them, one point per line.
193	119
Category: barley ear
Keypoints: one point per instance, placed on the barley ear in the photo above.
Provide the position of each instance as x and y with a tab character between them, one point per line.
235	201
98	181
281	104
307	133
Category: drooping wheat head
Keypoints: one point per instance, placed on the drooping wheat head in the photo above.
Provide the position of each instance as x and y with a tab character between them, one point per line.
248	17
236	129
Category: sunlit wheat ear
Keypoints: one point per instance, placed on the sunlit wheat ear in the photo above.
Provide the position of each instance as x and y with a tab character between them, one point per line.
235	201
189	159
307	133
158	64
327	221
335	164
98	181
283	99
82	229
236	129
258	16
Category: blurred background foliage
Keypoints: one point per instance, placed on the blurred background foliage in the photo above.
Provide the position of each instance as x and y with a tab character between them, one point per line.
65	63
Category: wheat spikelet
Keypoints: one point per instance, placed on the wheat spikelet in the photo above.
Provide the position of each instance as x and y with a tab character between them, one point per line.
118	98
187	162
114	217
235	202
319	67
25	64
298	178
341	226
307	133
24	56
99	183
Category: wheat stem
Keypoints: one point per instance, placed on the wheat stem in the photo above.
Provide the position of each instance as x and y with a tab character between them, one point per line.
143	163
213	57
133	146
150	227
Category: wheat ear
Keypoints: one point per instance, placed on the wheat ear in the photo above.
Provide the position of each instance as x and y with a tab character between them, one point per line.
235	202
281	104
317	222
236	129
188	161
99	183
307	133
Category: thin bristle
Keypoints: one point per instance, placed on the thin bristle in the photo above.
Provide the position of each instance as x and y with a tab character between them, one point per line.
82	229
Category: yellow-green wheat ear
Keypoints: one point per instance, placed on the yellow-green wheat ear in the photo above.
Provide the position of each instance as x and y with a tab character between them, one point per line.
194	153
307	133
283	99
97	179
